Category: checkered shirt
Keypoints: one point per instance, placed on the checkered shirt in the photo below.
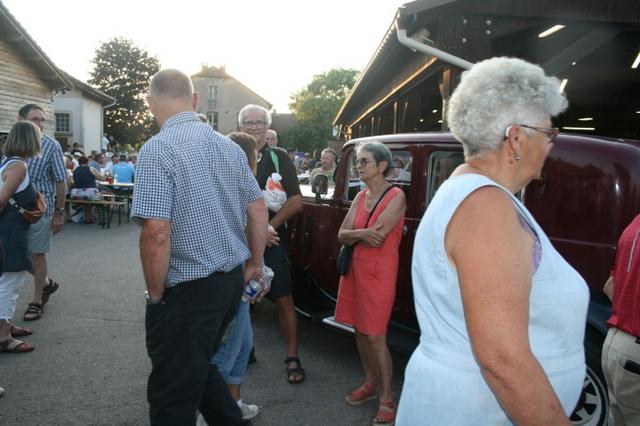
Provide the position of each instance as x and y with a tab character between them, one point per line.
200	181
46	169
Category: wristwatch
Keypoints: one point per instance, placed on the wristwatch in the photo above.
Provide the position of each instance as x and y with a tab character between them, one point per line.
151	302
58	210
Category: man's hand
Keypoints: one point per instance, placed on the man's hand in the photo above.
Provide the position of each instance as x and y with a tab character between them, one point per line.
272	237
251	270
57	222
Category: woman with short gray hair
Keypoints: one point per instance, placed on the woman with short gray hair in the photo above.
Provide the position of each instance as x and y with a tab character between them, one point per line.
502	314
367	292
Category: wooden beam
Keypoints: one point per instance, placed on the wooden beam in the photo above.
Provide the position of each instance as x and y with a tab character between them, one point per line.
578	50
590	10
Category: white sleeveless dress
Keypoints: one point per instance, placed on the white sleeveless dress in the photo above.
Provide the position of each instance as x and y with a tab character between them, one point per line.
443	384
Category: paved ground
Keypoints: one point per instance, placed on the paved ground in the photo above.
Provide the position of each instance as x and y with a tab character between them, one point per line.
90	365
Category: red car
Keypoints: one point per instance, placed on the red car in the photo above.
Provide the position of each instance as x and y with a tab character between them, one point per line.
588	192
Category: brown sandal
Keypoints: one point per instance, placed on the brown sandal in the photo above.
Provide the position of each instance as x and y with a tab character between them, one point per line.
364	393
20	331
15	346
386	414
48	290
33	312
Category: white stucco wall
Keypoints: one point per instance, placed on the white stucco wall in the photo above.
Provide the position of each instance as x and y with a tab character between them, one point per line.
70	102
86	119
91	125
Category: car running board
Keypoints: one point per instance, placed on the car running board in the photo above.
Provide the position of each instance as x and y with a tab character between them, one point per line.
331	321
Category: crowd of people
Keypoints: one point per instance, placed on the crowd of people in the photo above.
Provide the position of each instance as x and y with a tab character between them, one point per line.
489	288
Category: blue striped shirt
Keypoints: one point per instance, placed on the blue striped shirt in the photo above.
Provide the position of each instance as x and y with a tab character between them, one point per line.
46	169
200	181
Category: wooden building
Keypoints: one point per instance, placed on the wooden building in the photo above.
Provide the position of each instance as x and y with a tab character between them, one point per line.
27	75
592	45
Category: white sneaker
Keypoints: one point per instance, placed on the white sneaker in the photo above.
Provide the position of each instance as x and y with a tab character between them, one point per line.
249	411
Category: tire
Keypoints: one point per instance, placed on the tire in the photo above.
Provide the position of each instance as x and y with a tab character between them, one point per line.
593	406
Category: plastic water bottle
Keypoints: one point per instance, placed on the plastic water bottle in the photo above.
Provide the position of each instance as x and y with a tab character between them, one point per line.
251	290
253	287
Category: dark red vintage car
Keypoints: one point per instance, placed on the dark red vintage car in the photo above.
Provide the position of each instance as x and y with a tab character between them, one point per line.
588	192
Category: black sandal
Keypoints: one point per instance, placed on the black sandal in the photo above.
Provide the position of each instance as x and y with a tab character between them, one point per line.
48	290
33	312
296	371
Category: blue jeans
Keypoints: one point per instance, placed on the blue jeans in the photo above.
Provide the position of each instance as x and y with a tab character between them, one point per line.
233	354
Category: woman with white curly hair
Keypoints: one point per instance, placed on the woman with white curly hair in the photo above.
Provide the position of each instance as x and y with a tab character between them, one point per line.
502	314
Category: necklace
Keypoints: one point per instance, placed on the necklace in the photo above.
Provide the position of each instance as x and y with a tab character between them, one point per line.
370	202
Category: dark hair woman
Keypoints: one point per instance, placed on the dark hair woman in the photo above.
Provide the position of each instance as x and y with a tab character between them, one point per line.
367	293
84	178
16	191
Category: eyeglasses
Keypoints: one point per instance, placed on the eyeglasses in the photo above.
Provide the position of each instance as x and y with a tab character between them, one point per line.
551	132
254	123
363	162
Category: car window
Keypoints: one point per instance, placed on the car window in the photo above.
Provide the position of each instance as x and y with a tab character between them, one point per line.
400	175
353	183
441	165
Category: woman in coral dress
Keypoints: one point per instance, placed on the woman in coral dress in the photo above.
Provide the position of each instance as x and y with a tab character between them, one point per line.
368	290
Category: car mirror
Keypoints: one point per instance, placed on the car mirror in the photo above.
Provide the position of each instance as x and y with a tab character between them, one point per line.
320	185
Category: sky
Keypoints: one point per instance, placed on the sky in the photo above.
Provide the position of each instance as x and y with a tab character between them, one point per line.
273	47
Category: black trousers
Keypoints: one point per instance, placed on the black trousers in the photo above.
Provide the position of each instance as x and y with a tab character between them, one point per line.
183	333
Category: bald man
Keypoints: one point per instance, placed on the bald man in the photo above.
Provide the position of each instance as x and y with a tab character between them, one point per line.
191	199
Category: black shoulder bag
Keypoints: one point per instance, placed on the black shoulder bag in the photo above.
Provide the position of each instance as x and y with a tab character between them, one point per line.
346	250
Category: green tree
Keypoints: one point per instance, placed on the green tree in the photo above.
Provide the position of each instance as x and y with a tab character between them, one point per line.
123	71
316	106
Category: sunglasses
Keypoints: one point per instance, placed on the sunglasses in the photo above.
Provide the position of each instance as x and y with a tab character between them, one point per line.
363	162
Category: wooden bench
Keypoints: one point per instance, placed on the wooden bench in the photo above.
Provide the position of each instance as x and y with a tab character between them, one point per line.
105	209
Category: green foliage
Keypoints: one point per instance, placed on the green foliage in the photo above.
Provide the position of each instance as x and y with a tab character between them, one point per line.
123	71
315	107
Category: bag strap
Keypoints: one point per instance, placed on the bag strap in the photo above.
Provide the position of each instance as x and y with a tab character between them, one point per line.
13	202
274	160
377	202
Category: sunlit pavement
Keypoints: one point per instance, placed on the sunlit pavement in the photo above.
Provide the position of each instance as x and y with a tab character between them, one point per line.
90	365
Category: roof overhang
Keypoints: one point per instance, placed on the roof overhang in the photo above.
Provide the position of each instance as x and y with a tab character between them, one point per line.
512	28
91	91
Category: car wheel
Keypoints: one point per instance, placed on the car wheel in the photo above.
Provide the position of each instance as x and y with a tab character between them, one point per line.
593	406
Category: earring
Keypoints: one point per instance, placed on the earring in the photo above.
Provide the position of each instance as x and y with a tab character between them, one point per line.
516	157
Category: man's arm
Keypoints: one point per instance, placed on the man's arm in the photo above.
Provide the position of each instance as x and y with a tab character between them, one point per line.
292	206
155	244
257	223
58	214
291	186
60	176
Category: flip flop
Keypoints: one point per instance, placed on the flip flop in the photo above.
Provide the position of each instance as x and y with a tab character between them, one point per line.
15	346
20	331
